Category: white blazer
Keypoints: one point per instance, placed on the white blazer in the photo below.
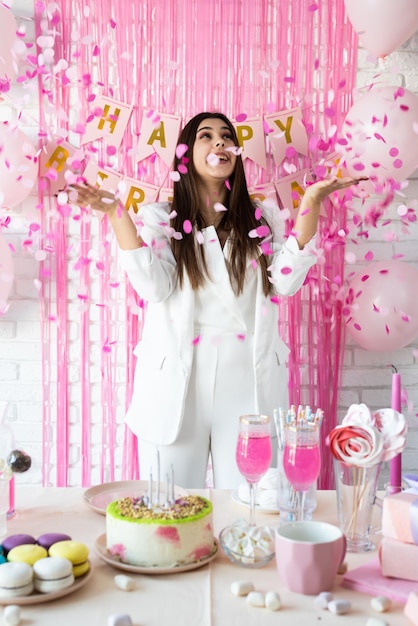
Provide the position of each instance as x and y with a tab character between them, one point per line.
165	352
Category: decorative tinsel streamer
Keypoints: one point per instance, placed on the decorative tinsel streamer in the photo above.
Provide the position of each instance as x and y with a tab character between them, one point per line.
181	57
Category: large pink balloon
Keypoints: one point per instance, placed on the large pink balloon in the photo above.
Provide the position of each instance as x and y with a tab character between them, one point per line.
8	28
379	135
383	25
6	274
382	306
18	166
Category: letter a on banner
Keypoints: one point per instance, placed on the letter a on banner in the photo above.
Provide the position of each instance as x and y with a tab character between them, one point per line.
159	133
110	122
287	130
252	141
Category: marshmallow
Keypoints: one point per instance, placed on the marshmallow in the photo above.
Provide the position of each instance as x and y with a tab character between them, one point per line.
339	607
120	619
247	542
323	599
11	615
375	621
272	601
256	598
242	587
380	604
126	583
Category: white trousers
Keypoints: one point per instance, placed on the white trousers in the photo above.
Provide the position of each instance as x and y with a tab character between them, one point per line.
221	388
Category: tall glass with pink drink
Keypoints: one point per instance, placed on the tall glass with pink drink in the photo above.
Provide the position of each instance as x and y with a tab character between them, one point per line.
253	452
301	458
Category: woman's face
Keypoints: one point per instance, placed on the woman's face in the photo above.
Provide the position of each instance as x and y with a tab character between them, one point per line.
213	158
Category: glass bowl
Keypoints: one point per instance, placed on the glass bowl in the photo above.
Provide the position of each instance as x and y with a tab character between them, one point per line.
256	559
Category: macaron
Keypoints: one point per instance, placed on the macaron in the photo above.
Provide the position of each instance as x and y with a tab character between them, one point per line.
16	579
16	540
52	574
26	553
75	552
47	539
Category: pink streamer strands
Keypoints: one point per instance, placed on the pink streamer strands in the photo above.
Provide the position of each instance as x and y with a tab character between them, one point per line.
177	57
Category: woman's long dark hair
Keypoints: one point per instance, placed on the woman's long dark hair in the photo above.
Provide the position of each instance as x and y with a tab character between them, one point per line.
238	220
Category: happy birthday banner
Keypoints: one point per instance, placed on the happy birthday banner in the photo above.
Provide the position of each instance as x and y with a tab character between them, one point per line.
158	135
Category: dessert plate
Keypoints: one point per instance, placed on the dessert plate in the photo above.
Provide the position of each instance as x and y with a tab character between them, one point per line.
264	509
114	561
39	598
99	496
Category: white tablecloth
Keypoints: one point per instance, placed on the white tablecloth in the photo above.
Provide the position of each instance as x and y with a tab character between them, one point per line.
198	598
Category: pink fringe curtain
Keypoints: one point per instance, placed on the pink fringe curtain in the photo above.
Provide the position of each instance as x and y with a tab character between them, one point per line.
177	57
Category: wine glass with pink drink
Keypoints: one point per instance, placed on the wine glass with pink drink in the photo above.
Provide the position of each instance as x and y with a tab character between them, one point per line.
301	458
253	453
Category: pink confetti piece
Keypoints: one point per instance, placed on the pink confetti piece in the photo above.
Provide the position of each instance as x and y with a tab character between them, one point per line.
212	159
175	176
241	117
196	340
218	207
181	150
286	270
187	227
182	169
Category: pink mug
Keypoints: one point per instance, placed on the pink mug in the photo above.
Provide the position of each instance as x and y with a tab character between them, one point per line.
308	555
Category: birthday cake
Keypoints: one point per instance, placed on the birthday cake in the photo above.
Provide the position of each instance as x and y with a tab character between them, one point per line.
175	534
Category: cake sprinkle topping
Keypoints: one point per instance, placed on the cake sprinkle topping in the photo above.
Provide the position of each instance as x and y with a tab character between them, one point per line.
183	507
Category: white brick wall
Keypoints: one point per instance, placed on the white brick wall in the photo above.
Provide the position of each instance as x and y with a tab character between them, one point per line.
366	375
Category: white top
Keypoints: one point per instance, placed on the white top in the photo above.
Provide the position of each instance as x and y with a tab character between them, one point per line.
214	313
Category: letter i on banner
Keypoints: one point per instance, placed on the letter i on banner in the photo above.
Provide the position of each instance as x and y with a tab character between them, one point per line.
109	122
107	180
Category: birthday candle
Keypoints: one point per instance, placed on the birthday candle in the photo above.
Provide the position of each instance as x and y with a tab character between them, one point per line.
150	490
172	485
158	478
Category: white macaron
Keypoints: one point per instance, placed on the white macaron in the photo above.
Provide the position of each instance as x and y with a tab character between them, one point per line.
16	579
52	574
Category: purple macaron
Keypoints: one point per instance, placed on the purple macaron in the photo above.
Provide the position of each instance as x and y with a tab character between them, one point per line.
16	540
48	539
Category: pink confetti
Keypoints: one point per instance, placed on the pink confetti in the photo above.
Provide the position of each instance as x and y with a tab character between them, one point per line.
241	117
187	226
181	149
286	270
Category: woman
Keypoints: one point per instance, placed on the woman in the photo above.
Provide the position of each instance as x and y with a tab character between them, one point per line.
209	265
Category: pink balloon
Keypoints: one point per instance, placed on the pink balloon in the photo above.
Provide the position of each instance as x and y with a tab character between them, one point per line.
18	166
381	306
8	28
379	135
383	25
6	274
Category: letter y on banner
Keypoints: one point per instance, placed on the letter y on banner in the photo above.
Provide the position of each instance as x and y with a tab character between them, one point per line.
287	129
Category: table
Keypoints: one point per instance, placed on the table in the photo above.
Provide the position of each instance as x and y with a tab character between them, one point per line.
198	598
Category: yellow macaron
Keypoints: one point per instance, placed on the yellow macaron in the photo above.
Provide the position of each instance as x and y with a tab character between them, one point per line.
74	551
26	553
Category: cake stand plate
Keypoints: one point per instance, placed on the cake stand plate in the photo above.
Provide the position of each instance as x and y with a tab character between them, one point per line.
40	598
99	496
114	561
